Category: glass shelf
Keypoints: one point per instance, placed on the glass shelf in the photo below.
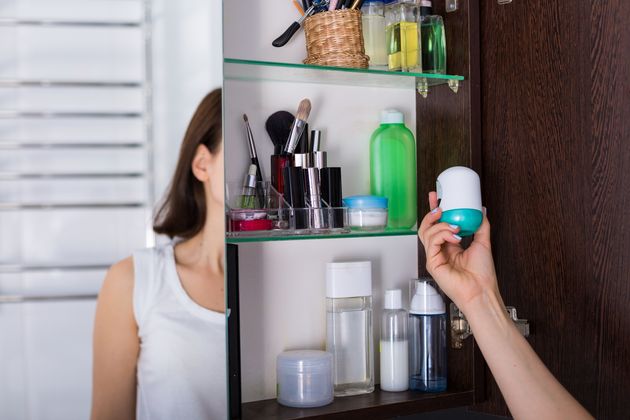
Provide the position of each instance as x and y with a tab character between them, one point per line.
353	234
252	70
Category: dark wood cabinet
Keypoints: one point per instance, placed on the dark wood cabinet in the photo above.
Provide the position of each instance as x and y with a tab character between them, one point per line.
556	146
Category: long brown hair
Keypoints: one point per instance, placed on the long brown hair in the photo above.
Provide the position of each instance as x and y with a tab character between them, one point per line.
183	209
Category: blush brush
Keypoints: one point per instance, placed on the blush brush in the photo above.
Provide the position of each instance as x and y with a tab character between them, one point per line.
304	109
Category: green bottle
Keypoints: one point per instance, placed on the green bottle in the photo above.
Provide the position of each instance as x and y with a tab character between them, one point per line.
432	40
393	168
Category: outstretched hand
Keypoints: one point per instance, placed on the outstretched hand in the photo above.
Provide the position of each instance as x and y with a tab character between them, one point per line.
462	274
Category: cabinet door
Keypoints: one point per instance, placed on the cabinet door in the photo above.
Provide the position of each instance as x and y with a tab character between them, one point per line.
555	157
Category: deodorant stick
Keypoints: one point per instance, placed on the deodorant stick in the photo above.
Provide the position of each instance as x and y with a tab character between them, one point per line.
459	189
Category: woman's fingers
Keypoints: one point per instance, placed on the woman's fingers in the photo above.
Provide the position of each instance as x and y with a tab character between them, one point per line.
428	221
435	230
435	257
482	236
433	200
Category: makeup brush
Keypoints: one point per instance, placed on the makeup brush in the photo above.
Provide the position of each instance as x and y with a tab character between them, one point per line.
252	150
299	124
278	127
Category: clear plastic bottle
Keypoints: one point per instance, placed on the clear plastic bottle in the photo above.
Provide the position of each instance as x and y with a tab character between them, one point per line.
394	345
402	36
349	334
374	32
393	168
427	338
432	40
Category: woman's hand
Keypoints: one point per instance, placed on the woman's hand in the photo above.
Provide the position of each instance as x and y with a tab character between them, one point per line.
462	274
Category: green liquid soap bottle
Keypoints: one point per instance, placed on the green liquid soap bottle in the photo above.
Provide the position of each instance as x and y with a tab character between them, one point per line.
432	40
393	168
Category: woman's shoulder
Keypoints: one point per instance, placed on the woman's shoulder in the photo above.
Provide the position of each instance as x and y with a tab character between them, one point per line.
119	278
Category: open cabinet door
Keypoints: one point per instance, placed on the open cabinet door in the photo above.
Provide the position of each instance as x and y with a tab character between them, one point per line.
556	102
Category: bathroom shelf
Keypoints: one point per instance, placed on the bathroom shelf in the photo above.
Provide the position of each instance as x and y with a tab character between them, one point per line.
377	405
252	70
388	232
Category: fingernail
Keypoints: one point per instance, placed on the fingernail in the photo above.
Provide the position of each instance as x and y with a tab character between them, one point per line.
485	211
453	226
435	210
459	238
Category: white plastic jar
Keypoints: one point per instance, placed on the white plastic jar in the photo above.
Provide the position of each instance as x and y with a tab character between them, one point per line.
305	378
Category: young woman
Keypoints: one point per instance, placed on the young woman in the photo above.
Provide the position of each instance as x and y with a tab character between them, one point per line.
468	278
159	335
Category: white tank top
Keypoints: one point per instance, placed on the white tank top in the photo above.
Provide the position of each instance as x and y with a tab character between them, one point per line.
181	369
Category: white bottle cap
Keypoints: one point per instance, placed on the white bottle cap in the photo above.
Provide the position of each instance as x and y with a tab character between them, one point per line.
392	116
426	300
349	279
459	188
393	299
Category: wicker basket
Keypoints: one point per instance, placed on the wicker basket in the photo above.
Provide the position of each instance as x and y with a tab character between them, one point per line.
335	38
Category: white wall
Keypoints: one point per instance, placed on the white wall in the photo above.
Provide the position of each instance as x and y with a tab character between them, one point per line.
187	64
46	347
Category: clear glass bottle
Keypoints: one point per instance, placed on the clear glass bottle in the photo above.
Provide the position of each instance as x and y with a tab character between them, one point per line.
349	334
394	344
427	337
374	32
402	36
432	40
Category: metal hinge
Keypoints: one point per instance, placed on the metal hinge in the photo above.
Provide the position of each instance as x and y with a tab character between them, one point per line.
503	2
460	329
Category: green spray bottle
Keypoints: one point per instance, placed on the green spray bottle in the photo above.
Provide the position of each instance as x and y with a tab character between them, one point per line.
393	168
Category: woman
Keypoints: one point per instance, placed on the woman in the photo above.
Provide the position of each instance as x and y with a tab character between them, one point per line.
468	278
159	335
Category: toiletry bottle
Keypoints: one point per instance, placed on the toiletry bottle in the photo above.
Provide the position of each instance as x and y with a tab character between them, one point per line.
401	30
394	345
432	40
427	337
393	168
374	32
459	191
349	326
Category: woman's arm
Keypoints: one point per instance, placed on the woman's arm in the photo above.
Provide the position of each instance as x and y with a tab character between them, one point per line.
468	278
116	347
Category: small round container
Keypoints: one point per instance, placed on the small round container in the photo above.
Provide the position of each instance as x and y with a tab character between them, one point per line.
305	378
367	212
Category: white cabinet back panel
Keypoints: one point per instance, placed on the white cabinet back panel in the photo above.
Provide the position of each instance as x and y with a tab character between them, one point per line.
346	115
71	236
282	297
46	356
